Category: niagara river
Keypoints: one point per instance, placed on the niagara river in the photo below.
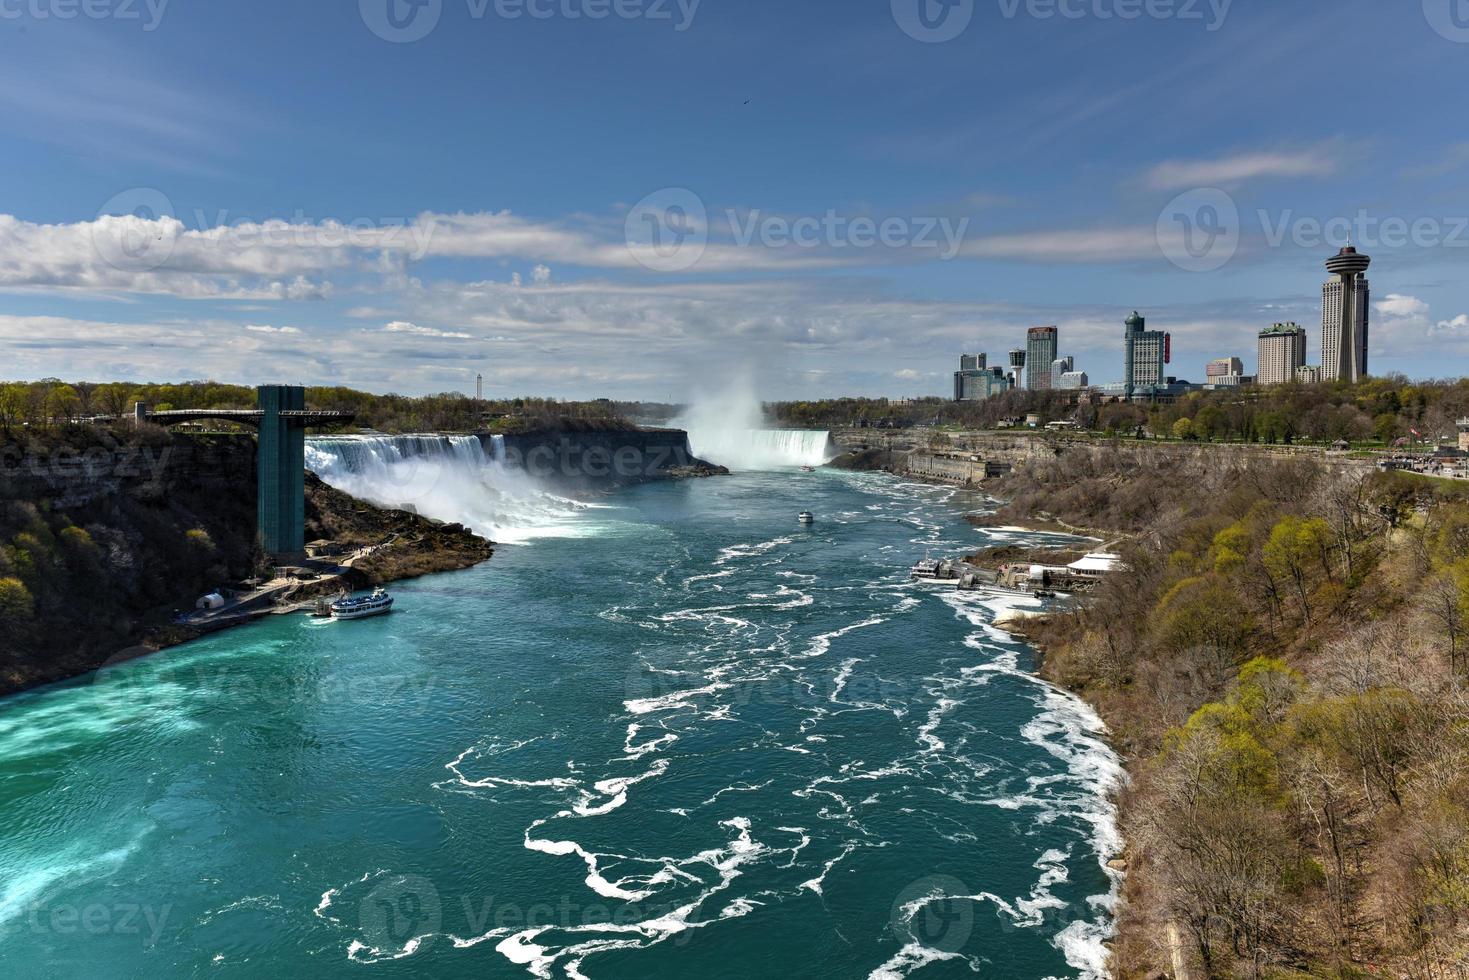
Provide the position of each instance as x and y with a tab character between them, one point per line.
664	733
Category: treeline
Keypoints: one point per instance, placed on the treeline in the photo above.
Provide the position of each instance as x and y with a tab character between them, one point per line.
1381	410
52	402
1285	666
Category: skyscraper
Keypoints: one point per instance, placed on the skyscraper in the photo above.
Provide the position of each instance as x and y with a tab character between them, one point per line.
973	362
1147	354
1344	317
1040	353
1282	354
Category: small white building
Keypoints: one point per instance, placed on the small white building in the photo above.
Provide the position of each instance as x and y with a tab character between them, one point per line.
1096	566
209	602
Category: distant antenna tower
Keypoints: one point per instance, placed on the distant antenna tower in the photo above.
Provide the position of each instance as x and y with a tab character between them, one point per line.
479	387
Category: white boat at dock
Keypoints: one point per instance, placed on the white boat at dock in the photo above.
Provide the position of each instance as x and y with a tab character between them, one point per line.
360	608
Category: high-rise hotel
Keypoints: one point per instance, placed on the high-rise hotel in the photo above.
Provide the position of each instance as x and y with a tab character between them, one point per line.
1344	317
1147	355
1282	354
1041	350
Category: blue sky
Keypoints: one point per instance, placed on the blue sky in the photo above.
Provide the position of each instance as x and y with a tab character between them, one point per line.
304	191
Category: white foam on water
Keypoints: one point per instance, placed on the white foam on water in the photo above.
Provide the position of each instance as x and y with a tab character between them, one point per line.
559	782
818	883
666	702
634	752
1068	729
912	957
821	643
526	948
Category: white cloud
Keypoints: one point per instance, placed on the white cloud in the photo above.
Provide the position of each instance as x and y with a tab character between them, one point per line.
1396	305
1176	174
541	275
402	326
1068	245
265	328
1407	326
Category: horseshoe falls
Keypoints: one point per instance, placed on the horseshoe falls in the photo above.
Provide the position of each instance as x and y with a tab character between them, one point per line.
676	735
762	449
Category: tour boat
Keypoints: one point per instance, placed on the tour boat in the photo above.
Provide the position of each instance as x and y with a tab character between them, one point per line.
928	568
806	517
374	605
808	469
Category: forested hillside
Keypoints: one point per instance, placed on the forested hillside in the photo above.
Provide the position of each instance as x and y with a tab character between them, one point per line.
1285	667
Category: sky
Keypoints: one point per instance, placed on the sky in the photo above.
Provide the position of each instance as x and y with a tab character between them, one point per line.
649	198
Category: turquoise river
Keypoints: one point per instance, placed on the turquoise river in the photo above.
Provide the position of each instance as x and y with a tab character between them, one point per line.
666	734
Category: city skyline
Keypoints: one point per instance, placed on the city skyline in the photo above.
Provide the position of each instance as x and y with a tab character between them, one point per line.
410	236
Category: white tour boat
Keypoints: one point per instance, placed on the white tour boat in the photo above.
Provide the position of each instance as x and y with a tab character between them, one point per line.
806	517
374	605
928	568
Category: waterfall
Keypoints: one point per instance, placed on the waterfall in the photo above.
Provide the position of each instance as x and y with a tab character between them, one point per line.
448	478
762	449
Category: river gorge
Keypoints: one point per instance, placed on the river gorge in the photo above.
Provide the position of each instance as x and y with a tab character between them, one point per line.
665	732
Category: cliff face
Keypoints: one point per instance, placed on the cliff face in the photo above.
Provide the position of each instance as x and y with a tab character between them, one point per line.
102	535
605	458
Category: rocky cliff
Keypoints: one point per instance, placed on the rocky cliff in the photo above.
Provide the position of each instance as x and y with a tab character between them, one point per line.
105	534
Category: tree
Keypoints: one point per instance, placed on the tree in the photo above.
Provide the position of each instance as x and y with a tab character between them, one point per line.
1446	601
1296	546
12	404
17	607
1183	429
